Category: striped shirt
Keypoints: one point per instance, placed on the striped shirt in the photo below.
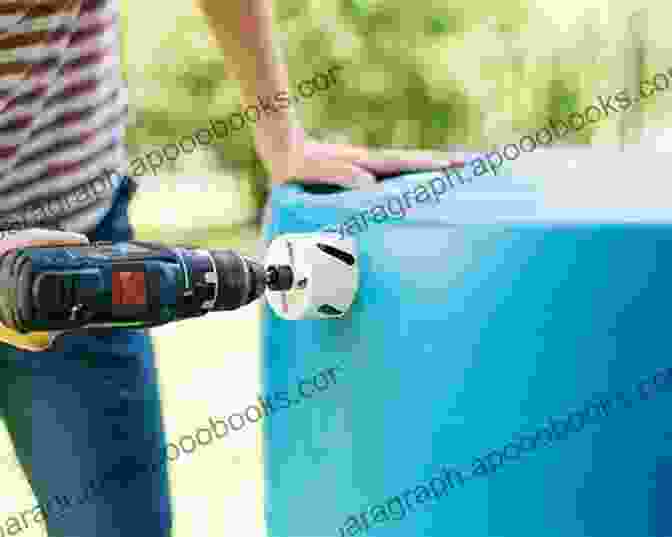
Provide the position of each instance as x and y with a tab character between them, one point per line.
63	106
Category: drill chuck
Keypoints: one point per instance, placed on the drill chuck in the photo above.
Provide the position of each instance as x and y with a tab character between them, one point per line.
279	277
240	280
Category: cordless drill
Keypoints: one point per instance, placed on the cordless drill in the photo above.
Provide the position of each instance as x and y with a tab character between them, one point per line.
140	284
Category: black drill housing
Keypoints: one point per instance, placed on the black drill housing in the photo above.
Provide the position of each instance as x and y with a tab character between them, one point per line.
132	284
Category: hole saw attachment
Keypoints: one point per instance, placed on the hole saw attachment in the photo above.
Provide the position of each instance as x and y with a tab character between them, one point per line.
311	275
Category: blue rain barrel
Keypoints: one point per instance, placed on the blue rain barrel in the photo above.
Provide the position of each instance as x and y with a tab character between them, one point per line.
503	372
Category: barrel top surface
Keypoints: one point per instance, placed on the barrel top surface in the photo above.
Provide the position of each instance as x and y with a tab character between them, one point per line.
552	187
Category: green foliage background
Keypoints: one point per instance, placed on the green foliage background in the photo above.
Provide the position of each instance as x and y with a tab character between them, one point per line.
425	74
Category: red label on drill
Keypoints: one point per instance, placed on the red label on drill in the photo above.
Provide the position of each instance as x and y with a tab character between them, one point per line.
128	288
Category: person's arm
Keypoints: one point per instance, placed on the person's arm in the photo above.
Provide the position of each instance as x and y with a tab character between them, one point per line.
244	29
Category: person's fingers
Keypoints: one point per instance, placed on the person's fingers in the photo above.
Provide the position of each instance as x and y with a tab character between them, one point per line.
34	341
359	167
395	167
385	162
330	171
40	237
391	162
12	239
337	151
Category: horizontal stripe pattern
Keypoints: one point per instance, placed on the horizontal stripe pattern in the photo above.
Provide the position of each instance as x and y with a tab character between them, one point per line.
63	109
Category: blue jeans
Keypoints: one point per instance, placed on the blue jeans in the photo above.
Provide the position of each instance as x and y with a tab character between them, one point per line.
85	406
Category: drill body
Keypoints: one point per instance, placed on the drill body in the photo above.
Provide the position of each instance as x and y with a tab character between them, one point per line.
130	284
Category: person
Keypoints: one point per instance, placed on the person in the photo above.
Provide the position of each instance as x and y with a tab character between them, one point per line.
75	404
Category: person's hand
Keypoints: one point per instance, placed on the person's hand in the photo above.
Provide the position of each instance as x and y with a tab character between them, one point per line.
11	240
294	156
